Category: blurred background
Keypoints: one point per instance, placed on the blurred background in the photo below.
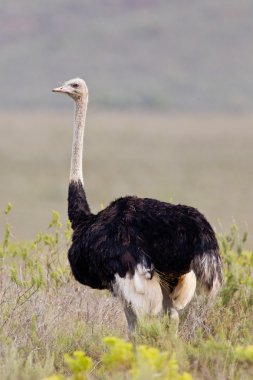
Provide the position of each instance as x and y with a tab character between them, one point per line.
170	113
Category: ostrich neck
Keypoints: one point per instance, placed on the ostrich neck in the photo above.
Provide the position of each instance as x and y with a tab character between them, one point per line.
76	170
78	207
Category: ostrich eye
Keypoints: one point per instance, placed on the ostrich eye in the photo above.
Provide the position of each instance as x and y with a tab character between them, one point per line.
74	85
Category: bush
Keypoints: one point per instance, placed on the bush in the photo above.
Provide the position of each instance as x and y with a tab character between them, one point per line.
123	361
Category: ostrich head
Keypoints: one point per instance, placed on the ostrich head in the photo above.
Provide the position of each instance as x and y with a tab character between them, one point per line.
76	88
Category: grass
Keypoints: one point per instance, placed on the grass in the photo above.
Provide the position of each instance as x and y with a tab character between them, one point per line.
46	314
204	161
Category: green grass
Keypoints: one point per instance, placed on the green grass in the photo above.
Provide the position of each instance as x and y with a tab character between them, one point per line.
46	314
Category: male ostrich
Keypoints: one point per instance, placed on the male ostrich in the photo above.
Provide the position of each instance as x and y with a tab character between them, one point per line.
148	253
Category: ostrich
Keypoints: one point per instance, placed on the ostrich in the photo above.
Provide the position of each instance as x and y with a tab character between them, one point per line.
147	252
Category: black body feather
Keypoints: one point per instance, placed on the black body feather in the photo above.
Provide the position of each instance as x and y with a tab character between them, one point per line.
172	239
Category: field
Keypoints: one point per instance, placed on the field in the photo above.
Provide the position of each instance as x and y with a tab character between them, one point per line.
170	117
202	160
45	315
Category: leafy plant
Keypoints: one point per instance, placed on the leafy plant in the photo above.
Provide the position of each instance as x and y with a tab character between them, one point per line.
123	360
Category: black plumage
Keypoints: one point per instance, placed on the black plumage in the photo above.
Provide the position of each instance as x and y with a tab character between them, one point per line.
131	230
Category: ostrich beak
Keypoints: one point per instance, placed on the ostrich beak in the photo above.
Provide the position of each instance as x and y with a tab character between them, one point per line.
60	89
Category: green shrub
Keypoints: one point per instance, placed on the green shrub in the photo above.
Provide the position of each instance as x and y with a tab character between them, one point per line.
124	361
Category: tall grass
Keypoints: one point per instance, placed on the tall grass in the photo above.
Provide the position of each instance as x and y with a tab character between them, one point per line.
45	314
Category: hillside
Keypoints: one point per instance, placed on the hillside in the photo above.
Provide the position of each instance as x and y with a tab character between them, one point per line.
173	55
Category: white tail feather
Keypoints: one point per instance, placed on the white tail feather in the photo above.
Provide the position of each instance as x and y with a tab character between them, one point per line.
144	295
184	291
